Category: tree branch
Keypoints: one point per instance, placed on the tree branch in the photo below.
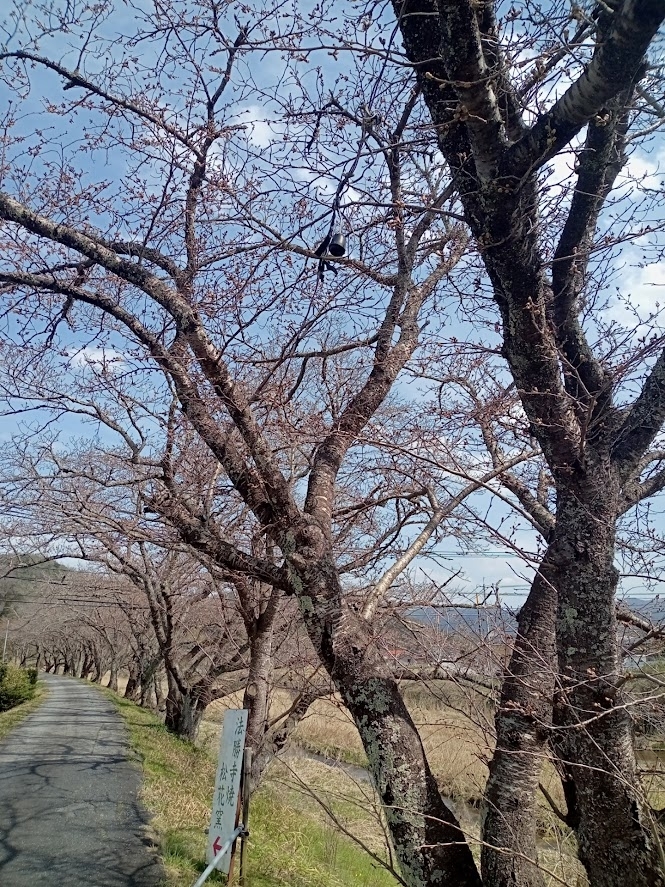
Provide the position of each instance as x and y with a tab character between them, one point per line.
643	421
615	63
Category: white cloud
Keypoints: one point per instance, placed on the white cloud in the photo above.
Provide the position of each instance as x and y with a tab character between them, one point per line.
89	356
262	127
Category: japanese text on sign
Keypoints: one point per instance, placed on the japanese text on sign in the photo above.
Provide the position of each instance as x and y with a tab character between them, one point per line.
227	784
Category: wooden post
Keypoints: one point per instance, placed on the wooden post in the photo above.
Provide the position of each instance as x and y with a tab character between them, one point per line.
246	781
232	859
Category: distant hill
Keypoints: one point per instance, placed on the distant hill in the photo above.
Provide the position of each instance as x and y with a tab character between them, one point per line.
451	619
650	608
482	620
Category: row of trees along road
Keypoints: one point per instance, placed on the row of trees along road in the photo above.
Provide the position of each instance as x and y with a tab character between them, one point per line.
300	425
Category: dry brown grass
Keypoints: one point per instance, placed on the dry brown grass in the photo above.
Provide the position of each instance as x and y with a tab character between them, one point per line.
456	726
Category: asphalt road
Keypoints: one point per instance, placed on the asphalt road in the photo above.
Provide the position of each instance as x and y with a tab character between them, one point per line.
69	815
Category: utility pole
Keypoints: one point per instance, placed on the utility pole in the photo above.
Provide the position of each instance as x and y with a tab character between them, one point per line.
4	649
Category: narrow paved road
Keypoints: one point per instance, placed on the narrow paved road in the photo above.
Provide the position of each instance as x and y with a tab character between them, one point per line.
69	815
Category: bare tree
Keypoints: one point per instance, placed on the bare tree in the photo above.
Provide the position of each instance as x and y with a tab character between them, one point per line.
186	275
497	134
200	264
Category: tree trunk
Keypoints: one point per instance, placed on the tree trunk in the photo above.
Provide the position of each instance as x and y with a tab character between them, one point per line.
509	853
429	843
160	699
257	700
147	694
113	676
184	711
148	667
98	672
132	688
617	843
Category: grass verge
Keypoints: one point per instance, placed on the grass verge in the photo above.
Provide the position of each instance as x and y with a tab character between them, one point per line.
287	846
9	719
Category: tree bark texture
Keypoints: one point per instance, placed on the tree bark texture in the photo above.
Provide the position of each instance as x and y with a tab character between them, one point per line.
593	735
257	696
132	688
184	711
113	676
509	853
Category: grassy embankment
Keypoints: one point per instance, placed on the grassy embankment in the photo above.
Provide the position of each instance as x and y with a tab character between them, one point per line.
299	818
456	725
9	719
293	840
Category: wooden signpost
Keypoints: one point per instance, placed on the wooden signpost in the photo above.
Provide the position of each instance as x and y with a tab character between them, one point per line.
227	786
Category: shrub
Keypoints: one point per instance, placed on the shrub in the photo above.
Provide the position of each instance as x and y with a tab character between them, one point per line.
16	686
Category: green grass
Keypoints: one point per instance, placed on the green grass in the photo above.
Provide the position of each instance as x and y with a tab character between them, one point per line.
293	843
9	719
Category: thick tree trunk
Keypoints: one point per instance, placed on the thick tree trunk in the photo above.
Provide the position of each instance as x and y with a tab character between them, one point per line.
184	711
98	671
617	843
147	693
160	699
509	853
86	666
430	846
132	688
80	665
148	667
184	717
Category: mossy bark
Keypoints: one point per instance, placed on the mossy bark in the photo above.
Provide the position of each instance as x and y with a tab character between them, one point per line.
509	855
617	841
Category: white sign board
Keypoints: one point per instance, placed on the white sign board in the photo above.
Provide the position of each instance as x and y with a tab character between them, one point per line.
227	785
